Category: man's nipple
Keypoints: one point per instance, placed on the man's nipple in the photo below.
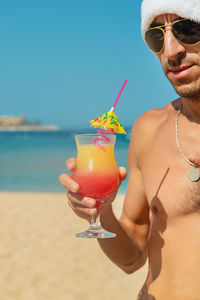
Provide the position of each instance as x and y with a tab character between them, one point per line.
195	159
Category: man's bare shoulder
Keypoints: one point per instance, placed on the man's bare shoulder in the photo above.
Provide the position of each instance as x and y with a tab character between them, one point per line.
153	119
147	125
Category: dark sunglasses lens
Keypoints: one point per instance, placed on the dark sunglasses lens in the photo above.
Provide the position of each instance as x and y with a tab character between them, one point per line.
155	38
187	31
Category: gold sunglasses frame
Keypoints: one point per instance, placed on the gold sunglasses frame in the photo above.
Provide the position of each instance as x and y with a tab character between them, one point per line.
168	26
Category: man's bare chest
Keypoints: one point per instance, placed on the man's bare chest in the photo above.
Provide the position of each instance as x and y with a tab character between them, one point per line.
165	175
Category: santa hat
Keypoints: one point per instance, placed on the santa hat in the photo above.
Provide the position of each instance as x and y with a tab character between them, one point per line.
189	9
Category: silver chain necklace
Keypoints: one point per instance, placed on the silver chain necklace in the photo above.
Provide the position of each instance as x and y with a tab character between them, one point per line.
194	173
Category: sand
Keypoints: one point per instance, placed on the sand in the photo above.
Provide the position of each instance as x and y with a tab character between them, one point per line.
41	259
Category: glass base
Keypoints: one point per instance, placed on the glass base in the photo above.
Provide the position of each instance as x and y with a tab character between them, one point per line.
96	231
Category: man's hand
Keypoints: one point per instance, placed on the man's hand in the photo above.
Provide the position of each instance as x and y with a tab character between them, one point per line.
84	207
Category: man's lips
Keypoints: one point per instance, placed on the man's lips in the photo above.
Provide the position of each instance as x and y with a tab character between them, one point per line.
181	72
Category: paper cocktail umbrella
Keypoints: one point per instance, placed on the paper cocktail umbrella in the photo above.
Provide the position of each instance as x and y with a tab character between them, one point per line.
109	120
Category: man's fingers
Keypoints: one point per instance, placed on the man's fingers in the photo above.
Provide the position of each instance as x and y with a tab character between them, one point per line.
83	207
77	200
123	173
71	164
83	212
66	181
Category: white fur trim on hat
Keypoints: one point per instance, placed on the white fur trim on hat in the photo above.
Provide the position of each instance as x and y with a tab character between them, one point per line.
189	9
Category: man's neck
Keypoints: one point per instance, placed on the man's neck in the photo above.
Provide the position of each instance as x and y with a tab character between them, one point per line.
191	109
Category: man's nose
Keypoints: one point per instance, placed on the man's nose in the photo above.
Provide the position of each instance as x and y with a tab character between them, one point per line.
172	47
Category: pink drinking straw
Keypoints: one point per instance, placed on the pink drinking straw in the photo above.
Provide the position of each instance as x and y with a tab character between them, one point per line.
102	138
119	94
100	132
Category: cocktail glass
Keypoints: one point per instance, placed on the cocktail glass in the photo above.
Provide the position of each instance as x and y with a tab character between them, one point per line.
97	174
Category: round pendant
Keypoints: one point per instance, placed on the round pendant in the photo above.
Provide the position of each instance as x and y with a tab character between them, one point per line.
194	174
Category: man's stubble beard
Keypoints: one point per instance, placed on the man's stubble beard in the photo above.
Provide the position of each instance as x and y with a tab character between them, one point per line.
190	90
184	88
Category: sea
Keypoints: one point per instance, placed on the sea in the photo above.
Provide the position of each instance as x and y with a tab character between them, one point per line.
33	160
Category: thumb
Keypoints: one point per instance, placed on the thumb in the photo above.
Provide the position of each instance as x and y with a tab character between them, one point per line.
71	164
122	173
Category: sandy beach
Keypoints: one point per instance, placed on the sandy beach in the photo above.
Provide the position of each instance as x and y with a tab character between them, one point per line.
41	259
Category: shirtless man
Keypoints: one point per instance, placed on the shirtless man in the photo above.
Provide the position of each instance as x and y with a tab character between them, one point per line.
160	221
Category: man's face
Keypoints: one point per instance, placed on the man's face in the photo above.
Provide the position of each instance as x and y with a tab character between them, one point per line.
180	62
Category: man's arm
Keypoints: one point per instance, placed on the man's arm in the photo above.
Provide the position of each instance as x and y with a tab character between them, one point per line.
129	249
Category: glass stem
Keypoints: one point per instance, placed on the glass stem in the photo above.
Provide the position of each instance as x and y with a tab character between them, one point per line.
95	221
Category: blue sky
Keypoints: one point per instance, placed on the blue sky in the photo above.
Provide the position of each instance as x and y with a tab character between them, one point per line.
63	62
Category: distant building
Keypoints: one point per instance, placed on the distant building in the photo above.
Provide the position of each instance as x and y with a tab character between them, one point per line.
12	121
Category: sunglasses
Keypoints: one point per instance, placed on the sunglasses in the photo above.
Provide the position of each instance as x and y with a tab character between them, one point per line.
184	30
